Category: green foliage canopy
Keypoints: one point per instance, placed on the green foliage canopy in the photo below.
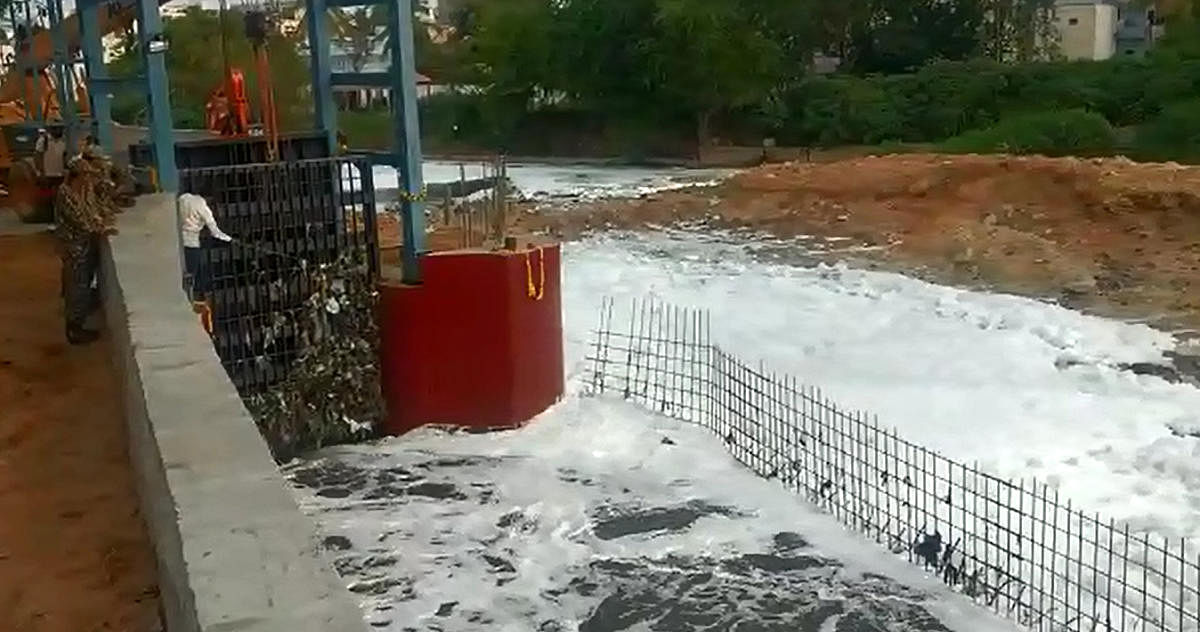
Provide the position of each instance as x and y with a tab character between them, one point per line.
195	66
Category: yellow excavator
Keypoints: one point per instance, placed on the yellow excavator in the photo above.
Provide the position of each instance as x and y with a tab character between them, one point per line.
30	104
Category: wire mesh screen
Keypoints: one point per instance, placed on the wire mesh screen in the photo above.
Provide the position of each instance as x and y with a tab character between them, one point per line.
1015	546
288	219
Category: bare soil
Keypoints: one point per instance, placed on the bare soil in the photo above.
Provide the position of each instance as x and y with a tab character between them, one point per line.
1107	236
74	554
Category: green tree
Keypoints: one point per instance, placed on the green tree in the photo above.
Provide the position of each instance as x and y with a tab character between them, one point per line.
837	22
194	70
510	53
710	55
602	53
358	32
903	35
1018	30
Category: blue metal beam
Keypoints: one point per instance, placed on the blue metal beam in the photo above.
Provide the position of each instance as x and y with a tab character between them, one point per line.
99	96
365	79
407	130
318	46
64	74
153	47
401	79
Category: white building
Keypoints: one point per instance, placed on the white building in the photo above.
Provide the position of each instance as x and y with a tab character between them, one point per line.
378	60
1102	29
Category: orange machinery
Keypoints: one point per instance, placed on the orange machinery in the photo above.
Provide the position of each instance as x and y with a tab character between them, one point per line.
227	111
20	125
19	120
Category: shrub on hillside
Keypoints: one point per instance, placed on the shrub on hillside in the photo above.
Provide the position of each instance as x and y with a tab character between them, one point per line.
944	99
844	110
1059	133
1172	135
1124	91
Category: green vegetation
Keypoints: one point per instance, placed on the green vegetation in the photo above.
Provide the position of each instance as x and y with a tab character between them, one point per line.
1173	135
196	66
946	99
1065	133
914	72
643	77
366	129
201	41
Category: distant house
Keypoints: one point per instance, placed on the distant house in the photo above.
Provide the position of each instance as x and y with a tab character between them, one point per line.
1103	29
378	60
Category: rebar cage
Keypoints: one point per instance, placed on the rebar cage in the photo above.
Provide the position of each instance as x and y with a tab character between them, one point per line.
1015	546
288	219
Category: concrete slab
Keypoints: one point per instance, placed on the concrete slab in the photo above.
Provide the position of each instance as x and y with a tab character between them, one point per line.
234	551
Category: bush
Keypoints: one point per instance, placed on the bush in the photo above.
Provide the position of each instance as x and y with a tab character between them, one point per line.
1057	133
445	119
945	99
843	110
1054	108
1173	135
453	118
366	129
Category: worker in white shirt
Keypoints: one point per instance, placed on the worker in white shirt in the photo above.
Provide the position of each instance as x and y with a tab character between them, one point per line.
52	148
194	216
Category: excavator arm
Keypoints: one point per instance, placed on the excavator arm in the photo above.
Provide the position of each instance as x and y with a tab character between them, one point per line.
113	17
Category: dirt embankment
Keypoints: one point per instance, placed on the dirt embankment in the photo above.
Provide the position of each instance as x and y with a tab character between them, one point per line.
74	553
1107	236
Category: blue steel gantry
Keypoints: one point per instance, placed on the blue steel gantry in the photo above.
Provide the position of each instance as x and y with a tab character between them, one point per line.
30	18
401	80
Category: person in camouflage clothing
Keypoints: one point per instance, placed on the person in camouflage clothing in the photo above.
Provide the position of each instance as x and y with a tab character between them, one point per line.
86	209
116	182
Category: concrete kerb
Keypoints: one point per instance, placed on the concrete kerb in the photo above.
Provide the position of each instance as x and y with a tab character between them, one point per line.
234	552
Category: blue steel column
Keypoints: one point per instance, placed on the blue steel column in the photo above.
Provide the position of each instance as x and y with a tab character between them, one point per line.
407	128
318	46
153	48
93	61
63	75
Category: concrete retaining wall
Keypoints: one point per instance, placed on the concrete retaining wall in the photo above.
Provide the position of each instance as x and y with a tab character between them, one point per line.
234	552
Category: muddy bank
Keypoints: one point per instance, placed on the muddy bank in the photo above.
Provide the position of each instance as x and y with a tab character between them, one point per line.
1109	237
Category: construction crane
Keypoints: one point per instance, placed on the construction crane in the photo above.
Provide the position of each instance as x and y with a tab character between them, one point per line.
227	111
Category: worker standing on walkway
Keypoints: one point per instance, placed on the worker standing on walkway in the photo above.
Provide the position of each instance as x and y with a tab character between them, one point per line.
85	214
194	216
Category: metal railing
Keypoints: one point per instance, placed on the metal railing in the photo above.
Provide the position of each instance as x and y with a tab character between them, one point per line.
1015	546
288	219
477	210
